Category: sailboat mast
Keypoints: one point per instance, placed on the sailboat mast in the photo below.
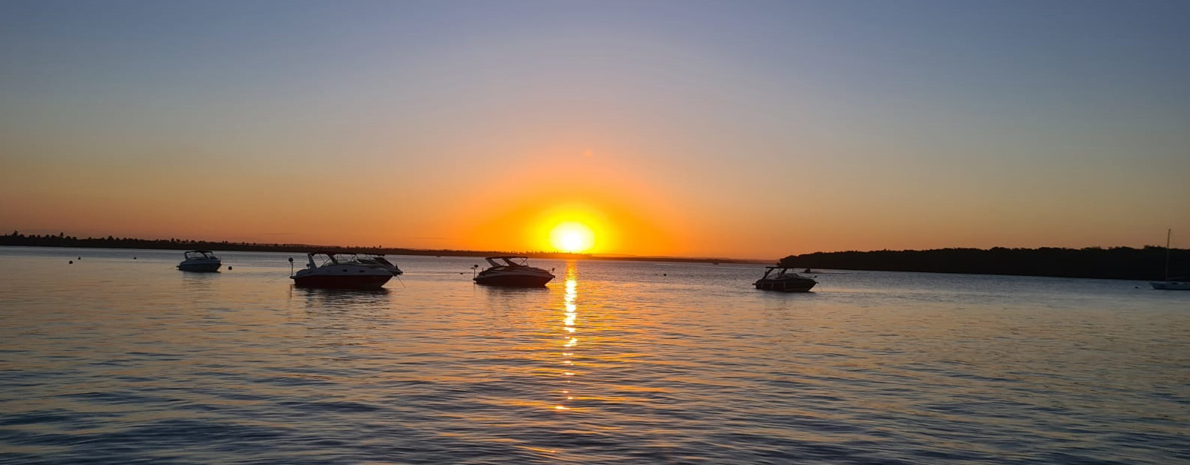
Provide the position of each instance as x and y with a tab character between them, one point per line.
1167	234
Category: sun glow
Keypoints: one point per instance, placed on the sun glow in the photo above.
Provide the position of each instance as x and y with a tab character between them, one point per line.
572	237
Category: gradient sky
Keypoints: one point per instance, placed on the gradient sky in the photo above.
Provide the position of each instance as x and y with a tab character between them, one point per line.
687	128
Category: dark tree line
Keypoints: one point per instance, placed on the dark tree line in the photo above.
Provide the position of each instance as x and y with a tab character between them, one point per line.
1114	263
109	242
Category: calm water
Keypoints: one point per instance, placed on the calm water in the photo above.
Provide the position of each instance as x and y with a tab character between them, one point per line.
115	360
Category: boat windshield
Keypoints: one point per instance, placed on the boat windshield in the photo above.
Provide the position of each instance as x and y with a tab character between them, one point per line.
199	254
372	259
324	259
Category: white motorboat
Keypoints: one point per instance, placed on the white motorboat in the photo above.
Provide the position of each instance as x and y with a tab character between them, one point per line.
513	271
1171	284
201	261
784	280
343	271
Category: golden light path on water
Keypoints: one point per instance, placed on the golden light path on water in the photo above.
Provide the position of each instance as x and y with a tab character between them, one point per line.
568	325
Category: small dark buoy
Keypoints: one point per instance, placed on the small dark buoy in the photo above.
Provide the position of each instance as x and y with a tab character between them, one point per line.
663	274
229	268
134	258
80	258
71	262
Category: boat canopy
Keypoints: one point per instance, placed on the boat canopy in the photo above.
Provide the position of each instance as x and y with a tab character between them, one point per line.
199	254
781	271
327	257
340	252
509	260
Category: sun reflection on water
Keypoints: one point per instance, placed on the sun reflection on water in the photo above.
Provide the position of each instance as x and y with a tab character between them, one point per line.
570	317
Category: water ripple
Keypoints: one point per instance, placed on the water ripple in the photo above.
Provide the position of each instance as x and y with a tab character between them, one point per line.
114	361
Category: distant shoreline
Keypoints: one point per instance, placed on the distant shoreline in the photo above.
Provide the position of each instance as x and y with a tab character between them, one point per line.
1145	264
19	240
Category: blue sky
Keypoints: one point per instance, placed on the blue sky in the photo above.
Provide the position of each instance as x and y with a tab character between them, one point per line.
897	124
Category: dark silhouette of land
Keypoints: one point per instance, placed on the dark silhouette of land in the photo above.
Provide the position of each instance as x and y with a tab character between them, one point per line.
109	242
1147	263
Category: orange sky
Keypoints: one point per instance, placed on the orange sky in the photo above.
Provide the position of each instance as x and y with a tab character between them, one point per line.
705	130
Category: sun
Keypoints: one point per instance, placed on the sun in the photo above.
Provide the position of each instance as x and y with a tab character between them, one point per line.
572	237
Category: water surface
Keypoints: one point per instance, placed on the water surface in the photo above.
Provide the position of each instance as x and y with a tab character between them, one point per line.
118	360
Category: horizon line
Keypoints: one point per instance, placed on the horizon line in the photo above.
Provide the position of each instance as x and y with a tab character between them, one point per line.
537	253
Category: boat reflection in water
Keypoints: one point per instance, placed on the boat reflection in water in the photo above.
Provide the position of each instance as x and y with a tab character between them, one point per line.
346	299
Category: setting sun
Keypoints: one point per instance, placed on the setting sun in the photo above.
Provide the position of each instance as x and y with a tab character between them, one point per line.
572	237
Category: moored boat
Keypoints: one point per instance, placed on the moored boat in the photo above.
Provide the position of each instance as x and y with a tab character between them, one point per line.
342	271
784	280
513	271
1170	284
200	261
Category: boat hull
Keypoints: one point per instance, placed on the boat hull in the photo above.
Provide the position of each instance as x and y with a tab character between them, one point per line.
1171	285
200	267
370	281
785	285
514	281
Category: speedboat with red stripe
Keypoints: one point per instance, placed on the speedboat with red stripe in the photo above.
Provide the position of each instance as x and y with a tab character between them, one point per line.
343	271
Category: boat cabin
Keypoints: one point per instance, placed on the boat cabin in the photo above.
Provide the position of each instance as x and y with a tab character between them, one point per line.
200	255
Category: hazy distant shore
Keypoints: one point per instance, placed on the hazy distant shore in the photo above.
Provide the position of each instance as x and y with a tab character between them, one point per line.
19	240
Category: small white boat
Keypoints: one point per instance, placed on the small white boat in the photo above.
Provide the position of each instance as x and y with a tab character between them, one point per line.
784	280
1170	284
514	272
343	271
201	261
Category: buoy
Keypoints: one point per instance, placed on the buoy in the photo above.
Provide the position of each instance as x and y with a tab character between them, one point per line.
134	258
71	262
663	274
229	268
